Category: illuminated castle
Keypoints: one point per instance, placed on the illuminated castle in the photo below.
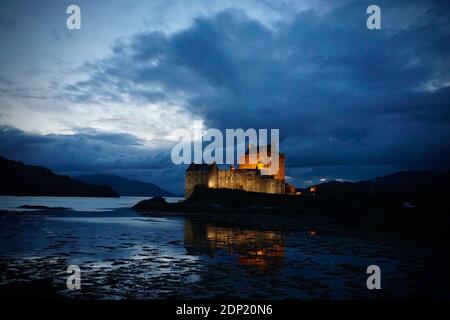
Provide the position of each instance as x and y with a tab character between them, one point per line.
246	177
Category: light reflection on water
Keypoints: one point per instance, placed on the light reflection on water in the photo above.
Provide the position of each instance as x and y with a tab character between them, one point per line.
261	249
121	252
102	236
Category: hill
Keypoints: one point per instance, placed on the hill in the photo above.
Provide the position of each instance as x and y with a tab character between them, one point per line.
18	179
406	183
126	187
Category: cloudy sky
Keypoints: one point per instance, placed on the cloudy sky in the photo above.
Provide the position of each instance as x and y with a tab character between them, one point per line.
350	103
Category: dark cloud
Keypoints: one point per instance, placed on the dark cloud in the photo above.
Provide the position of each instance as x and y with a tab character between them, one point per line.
6	22
341	94
91	152
350	102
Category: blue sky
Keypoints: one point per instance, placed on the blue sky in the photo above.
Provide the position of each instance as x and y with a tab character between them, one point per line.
350	103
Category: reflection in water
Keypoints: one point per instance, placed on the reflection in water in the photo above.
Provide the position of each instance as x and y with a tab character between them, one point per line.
261	249
124	256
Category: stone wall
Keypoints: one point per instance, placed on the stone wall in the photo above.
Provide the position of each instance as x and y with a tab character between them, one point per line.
248	180
194	178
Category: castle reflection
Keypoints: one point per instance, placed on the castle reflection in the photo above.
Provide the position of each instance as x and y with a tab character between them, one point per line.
261	249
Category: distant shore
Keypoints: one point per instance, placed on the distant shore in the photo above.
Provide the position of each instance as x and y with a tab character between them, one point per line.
226	201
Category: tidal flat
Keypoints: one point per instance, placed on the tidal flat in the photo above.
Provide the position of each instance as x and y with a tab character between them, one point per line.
123	255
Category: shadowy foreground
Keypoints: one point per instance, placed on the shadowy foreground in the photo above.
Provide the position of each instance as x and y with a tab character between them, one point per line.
124	255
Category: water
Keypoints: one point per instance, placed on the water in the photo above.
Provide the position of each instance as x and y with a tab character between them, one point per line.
123	255
11	203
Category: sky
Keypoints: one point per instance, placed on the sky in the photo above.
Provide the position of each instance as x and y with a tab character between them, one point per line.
351	103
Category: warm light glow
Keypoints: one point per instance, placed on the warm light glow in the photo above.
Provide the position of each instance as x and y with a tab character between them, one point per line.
267	253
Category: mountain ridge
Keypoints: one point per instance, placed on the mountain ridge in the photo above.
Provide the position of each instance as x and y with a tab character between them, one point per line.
410	182
125	186
19	179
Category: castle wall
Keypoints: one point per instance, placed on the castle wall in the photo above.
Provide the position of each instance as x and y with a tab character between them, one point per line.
194	178
249	180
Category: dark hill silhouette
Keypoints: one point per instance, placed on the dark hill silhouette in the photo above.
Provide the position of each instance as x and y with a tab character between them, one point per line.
399	195
126	187
18	179
406	183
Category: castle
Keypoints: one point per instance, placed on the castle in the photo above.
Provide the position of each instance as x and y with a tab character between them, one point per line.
246	177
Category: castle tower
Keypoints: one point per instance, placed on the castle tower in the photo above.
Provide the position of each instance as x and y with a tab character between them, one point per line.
246	162
201	174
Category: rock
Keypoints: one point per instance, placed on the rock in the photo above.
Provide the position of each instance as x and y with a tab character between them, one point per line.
153	204
30	207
